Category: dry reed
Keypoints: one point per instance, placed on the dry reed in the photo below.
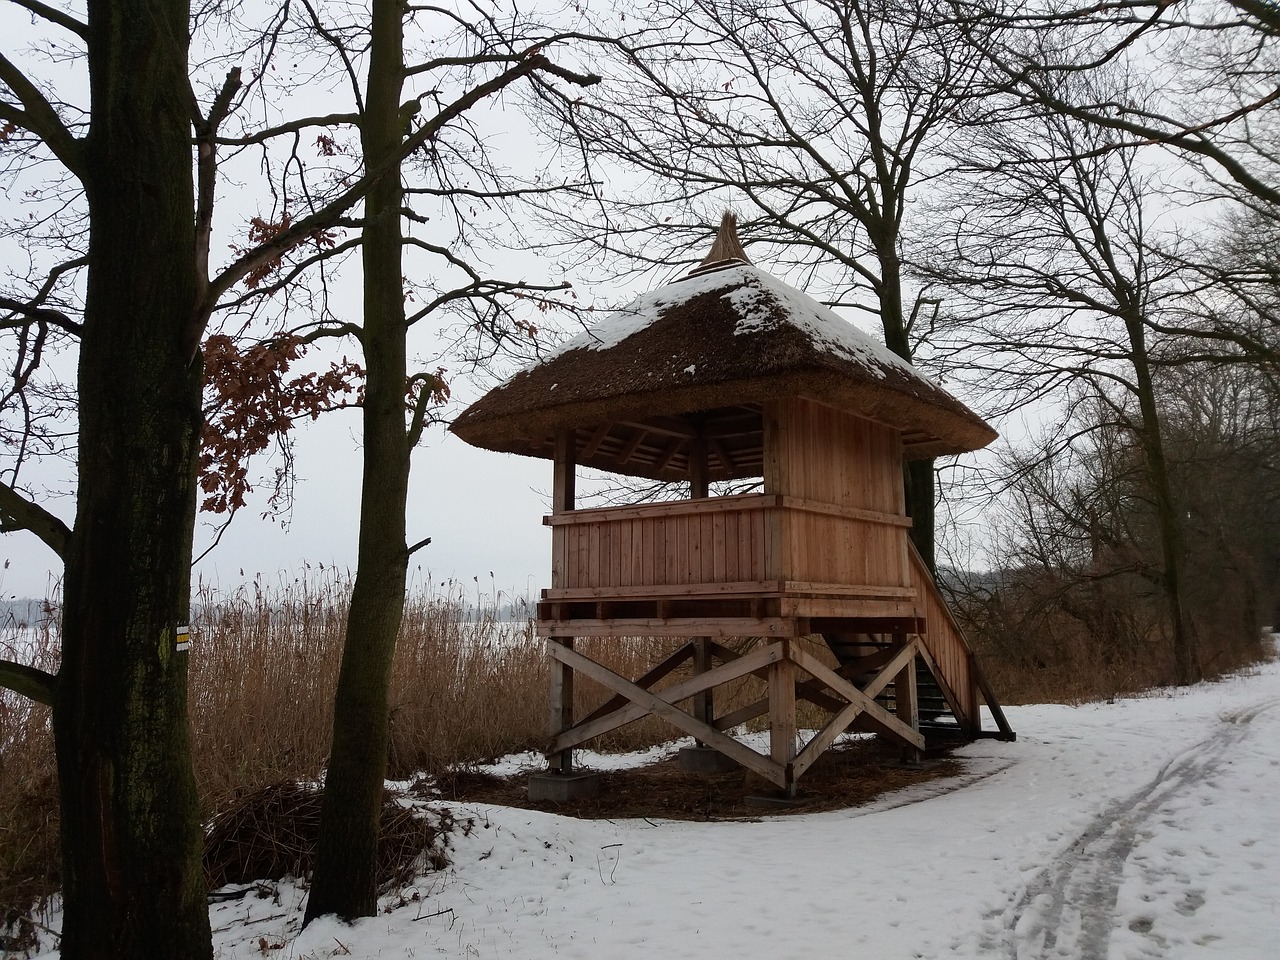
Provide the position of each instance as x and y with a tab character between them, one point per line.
468	685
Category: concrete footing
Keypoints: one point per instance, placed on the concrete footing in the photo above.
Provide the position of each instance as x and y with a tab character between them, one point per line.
562	787
706	760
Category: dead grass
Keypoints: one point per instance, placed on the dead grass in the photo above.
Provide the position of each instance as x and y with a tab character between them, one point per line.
467	686
29	850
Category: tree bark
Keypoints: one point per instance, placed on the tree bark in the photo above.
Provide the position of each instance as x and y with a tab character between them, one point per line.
133	883
1186	664
917	475
345	880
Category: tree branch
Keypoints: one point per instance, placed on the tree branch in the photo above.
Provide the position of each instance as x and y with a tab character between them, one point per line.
30	682
58	17
293	126
19	513
55	318
38	116
207	170
286	240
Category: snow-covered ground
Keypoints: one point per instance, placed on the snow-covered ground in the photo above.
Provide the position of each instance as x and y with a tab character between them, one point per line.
1137	829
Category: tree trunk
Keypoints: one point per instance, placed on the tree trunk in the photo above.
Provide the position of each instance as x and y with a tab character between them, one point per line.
921	494
918	476
1186	663
133	883
345	882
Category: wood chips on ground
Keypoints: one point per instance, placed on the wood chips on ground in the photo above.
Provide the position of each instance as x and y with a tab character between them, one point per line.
848	775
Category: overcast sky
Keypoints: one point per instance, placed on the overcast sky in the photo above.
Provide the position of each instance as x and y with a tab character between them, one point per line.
482	510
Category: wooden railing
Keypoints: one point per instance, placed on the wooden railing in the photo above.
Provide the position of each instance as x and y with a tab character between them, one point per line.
961	677
745	544
945	645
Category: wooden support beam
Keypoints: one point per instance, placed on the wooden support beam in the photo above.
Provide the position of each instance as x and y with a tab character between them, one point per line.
593	443
905	655
988	695
947	693
561	703
672	694
906	704
782	716
666	426
717	448
810	690
699	485
650	703
827	736
673	591
772	416
704	701
844	713
669	508
667	455
665	668
817	669
676	627
629	450
564	473
865	665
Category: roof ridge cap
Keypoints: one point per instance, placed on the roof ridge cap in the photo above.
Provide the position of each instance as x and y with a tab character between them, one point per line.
727	246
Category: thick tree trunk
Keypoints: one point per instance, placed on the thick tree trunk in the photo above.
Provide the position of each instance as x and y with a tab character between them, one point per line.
133	885
345	882
921	494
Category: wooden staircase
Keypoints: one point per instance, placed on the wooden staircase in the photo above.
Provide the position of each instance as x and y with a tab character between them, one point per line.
950	686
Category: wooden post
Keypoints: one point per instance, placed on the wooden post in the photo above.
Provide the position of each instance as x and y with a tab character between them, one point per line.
975	696
704	707
782	715
907	704
699	487
563	496
564	477
776	417
561	700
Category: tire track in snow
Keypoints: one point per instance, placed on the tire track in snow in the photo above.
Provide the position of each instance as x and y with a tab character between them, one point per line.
1068	909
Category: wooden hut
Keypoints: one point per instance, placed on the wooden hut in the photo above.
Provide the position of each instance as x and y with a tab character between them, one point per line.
725	374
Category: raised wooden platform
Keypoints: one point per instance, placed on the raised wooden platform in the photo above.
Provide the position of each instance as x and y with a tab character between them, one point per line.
877	642
824	550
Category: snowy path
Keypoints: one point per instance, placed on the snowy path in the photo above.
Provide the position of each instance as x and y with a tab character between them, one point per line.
1147	828
1074	908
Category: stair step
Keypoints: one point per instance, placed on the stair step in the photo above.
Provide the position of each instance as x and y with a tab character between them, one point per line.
936	721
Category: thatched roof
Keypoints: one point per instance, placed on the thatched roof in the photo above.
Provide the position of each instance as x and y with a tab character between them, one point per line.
710	348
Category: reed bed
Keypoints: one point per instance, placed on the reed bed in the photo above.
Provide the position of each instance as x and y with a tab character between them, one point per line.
28	782
469	684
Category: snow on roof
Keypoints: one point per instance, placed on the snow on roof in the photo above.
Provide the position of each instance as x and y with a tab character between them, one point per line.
760	301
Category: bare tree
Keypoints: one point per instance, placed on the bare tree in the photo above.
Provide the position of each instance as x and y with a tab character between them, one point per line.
424	216
1054	243
121	272
1218	96
825	117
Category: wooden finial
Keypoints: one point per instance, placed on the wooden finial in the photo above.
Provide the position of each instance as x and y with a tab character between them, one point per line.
727	245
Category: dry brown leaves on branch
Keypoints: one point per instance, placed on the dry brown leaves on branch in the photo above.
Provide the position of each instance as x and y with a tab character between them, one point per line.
252	403
262	232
